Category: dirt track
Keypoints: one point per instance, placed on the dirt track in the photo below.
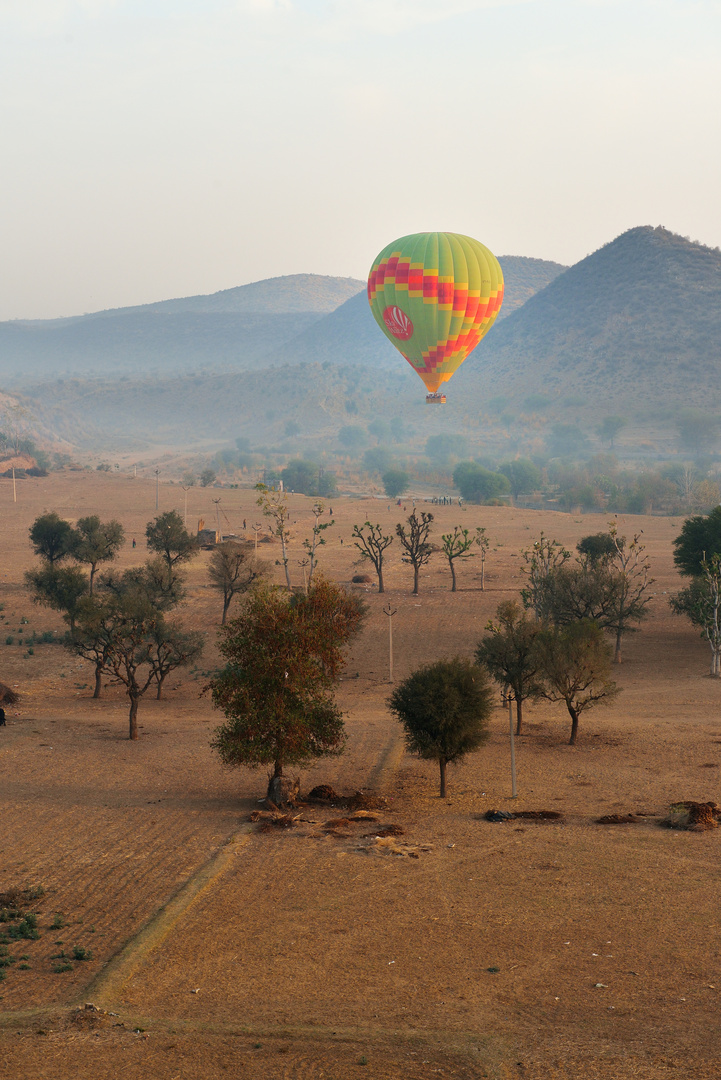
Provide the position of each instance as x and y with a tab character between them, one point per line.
325	954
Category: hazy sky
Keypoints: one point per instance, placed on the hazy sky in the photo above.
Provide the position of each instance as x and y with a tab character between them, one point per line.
158	148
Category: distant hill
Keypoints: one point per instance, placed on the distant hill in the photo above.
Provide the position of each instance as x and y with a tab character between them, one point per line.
634	326
350	335
229	330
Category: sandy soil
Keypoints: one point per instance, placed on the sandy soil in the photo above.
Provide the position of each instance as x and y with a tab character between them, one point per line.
462	948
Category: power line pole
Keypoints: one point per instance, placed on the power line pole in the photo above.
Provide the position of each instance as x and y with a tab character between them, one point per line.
157	487
185	506
514	792
256	529
390	612
217	519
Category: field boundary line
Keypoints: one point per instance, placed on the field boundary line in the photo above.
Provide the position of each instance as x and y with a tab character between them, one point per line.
109	982
388	762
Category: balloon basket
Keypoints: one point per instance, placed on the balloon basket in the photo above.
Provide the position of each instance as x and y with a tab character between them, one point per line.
435	399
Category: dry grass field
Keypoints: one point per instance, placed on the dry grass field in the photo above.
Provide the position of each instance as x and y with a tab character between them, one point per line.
458	948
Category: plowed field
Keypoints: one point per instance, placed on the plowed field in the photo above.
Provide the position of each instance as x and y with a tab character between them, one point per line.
458	947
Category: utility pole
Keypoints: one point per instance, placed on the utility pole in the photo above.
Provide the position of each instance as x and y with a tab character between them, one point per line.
256	529
185	506
15	494
157	487
390	612
217	519
511	699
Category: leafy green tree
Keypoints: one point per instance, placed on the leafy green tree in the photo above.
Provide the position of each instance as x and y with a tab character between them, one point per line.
284	656
121	628
597	549
701	603
372	543
510	653
523	476
478	485
577	591
698	542
610	428
395	482
207	477
445	709
576	668
301	476
233	570
94	541
60	588
414	540
458	545
167	537
51	537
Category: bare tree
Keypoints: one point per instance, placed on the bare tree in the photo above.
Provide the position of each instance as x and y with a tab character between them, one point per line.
541	559
701	603
631	599
372	543
233	569
415	543
275	507
458	544
171	647
576	668
317	540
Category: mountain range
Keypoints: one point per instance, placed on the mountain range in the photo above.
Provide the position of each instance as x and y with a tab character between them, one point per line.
289	319
632	330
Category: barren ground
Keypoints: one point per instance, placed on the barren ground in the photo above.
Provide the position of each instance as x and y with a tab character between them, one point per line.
461	949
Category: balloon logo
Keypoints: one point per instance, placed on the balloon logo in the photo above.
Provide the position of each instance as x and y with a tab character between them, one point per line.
435	296
398	323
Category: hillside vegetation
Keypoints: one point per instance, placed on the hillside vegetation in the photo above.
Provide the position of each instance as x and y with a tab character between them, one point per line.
634	328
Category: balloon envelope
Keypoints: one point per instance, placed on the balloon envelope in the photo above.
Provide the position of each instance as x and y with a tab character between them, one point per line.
435	295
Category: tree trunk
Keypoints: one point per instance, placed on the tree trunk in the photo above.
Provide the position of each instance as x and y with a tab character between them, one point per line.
285	564
381	586
92	575
574	725
442	763
415	581
161	680
617	654
226	604
282	791
98	680
453	575
483	574
519	714
133	718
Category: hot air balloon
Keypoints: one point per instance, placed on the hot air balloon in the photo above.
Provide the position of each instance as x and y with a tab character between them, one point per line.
435	295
